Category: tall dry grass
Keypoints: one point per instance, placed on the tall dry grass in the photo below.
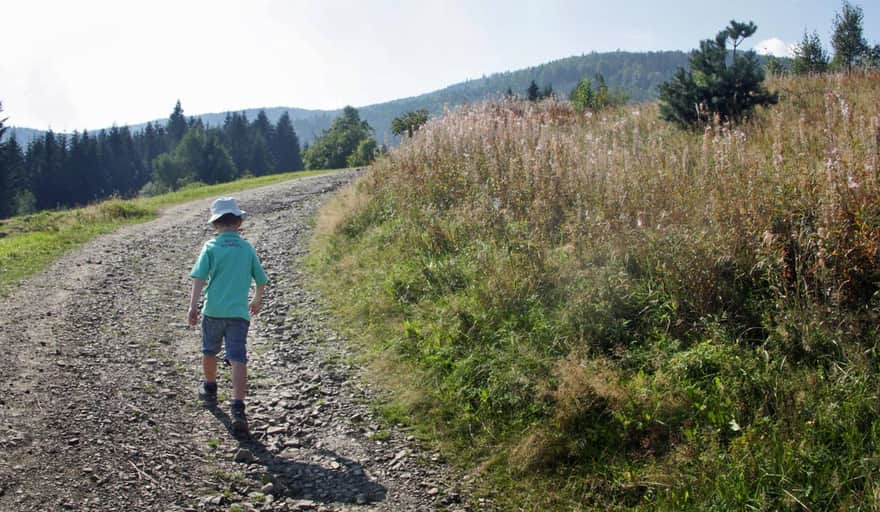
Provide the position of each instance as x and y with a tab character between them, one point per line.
603	295
799	182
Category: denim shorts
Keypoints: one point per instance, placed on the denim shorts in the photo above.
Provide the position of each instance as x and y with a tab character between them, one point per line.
232	330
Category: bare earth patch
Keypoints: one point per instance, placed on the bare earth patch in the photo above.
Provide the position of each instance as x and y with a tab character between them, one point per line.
98	405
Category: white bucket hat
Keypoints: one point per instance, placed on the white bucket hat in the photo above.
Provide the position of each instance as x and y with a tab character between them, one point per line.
224	205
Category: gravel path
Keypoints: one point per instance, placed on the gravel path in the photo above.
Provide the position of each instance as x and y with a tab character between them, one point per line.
98	407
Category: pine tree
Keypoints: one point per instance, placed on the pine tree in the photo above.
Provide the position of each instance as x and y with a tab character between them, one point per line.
47	158
284	145
177	125
261	160
236	138
216	165
533	93
713	88
809	56
85	164
14	191
262	126
409	122
850	47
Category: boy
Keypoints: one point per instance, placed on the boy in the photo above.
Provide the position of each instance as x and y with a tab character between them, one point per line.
227	263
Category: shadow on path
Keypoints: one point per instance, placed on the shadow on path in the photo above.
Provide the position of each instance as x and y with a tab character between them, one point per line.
348	484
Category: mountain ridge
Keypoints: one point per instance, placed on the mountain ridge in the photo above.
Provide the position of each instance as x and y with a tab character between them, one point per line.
637	74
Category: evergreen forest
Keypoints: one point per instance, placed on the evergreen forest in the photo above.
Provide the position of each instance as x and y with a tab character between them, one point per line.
63	170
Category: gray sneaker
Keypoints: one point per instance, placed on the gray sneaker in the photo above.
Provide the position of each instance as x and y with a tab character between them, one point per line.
239	420
208	393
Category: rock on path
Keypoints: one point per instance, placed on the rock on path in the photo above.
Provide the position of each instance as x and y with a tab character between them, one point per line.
98	409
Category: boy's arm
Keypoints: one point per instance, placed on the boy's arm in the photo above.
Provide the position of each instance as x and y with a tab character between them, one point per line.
257	302
193	315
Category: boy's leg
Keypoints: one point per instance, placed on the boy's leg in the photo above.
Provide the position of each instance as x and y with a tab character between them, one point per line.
239	380
212	333
236	353
209	365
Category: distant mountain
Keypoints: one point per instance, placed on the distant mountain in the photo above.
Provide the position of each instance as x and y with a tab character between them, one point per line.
636	74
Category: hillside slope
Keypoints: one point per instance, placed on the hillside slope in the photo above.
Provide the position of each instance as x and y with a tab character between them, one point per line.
636	74
602	312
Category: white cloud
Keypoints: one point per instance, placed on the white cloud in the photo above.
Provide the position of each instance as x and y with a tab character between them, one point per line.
774	46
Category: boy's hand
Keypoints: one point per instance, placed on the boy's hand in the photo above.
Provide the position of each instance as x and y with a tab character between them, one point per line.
256	305
193	316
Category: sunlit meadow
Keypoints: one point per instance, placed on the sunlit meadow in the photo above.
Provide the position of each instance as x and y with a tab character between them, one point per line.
601	311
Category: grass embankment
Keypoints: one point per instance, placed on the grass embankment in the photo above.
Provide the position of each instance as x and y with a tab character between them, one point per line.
30	242
604	312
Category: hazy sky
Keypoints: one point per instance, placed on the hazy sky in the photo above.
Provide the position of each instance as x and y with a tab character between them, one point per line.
91	63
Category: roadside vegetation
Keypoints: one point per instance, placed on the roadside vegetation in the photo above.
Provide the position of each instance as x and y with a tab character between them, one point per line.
30	242
601	310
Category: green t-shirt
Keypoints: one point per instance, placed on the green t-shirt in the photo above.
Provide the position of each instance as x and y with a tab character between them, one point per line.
228	263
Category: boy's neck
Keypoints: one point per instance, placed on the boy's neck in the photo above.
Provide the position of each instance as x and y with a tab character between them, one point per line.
227	229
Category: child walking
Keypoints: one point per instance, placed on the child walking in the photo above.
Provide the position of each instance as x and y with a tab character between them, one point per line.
228	264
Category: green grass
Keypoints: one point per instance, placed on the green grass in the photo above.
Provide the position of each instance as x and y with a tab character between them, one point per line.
31	242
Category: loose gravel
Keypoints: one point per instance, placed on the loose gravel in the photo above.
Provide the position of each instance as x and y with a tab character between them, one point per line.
98	404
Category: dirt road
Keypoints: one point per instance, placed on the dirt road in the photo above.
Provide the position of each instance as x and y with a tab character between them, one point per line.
98	406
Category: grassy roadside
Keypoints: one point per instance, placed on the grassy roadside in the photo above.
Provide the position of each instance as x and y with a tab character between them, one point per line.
31	242
601	312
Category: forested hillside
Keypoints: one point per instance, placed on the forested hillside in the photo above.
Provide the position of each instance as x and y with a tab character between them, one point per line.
635	74
63	170
49	170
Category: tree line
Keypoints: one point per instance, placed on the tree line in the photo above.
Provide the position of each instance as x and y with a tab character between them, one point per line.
60	170
724	85
851	51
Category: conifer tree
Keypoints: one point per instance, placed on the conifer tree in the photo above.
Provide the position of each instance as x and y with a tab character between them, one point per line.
261	161
809	56
850	47
237	139
533	93
409	122
216	165
285	146
177	125
712	87
262	126
12	169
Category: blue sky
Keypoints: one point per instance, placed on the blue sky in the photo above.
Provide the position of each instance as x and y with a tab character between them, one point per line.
92	63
